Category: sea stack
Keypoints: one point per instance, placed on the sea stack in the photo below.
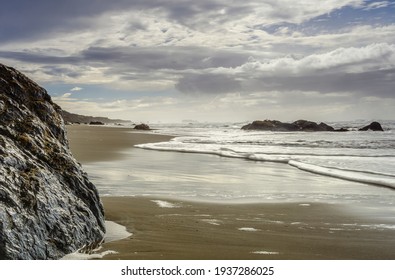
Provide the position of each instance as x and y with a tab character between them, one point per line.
48	207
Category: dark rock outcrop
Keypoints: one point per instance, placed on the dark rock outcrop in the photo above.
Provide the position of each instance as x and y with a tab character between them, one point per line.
142	126
375	126
343	129
48	207
303	125
96	123
270	125
300	125
312	126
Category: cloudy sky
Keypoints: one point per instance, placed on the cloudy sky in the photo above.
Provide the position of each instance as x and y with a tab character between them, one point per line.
208	60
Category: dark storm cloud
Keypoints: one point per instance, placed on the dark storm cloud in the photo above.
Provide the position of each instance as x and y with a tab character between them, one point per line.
39	58
156	58
26	20
23	20
368	71
199	71
167	62
208	84
196	67
30	19
59	71
148	58
372	83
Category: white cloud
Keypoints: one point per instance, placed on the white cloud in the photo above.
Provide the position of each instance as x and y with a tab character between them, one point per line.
354	36
202	47
351	60
303	10
64	97
363	70
76	89
377	5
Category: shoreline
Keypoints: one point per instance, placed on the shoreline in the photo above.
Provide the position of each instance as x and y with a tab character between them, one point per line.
184	229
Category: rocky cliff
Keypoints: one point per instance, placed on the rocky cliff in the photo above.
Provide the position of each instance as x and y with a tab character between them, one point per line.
48	207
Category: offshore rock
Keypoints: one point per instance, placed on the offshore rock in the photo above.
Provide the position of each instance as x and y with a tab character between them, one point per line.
312	126
374	126
142	126
303	125
270	125
48	207
96	123
300	125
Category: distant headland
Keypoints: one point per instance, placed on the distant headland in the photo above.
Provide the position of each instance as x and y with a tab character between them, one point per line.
71	118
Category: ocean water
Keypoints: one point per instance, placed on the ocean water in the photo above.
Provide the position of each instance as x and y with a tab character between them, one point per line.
221	162
366	157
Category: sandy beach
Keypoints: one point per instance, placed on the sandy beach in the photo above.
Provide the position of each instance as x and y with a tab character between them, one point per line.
179	229
248	231
103	143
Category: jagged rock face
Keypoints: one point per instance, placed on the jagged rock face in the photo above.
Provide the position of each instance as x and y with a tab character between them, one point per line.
48	207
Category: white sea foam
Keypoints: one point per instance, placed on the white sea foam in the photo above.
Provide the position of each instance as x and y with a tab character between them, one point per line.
83	256
248	229
379	226
385	179
265	253
346	175
213	222
165	204
357	156
114	232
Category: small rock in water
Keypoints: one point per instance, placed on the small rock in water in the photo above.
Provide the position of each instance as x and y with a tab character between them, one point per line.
142	126
374	126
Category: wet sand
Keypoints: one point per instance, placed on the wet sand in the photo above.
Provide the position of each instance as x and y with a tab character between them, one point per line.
196	230
103	143
204	231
